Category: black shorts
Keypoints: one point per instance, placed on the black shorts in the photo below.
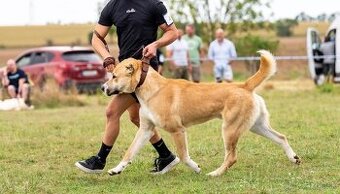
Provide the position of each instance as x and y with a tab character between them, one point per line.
135	97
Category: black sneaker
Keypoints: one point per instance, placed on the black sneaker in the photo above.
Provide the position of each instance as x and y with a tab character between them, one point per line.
163	165
92	165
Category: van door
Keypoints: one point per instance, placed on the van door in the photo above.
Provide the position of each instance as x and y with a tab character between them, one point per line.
337	54
313	45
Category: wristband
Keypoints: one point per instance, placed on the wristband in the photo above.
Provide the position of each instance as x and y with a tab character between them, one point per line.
109	61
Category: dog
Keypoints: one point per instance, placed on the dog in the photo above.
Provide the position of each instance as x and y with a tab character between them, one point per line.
14	104
175	105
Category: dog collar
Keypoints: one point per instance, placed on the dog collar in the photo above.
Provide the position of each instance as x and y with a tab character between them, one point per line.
145	68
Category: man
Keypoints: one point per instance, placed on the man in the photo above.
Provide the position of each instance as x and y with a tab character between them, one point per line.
195	51
178	53
137	23
2	79
221	52
16	82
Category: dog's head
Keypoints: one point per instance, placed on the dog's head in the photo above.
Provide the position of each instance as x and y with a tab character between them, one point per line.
125	77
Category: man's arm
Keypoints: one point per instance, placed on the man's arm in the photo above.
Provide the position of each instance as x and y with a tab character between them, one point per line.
5	80
201	51
232	53
211	52
99	46
169	36
169	54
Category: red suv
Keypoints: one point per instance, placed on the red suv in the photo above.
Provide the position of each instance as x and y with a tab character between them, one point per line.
79	66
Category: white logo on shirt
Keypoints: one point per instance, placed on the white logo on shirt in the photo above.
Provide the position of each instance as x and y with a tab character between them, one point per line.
131	10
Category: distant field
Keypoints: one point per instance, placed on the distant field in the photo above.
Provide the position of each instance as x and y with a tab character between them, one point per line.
300	30
38	149
27	36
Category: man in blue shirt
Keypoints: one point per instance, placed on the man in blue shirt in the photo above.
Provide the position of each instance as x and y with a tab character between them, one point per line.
221	52
16	82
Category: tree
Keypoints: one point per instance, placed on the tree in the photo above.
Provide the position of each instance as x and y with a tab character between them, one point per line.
249	44
231	15
284	27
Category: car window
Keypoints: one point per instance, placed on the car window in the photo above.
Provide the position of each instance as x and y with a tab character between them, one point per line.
24	60
81	56
41	57
331	36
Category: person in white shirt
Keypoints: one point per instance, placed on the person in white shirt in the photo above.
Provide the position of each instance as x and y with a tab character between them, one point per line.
221	52
178	53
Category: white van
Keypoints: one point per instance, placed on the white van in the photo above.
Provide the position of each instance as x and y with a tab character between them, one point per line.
324	57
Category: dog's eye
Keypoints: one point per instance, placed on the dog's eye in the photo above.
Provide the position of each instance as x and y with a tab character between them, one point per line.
113	76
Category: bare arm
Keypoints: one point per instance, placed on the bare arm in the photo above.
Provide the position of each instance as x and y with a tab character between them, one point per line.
21	84
170	35
97	44
169	54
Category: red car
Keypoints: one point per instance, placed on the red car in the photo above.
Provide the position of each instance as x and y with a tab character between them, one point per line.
79	66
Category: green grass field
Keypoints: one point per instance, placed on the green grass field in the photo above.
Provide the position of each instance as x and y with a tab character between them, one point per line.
38	149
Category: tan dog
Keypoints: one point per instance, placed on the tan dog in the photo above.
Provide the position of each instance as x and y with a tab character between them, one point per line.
177	104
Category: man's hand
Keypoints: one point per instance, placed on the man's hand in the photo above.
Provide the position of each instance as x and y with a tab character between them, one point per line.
109	64
149	51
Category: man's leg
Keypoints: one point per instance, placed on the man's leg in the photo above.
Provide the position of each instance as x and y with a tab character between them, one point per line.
114	110
118	105
177	73
166	159
196	73
25	93
218	74
185	73
11	91
228	73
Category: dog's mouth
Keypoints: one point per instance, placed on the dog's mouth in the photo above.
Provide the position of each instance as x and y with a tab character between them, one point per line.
110	93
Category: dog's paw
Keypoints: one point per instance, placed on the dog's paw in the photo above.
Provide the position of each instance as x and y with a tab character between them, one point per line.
197	169
114	171
297	160
214	173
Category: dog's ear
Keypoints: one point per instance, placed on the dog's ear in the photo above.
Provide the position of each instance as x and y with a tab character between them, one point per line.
130	69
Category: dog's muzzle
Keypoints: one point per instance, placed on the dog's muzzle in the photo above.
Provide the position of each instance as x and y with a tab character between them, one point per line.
105	90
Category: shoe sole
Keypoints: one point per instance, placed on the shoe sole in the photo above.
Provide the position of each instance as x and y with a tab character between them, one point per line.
168	167
82	168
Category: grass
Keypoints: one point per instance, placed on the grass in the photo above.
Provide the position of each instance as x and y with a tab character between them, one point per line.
38	149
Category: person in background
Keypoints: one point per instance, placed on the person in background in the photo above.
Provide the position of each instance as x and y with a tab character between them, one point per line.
16	82
178	53
2	80
221	52
161	59
195	51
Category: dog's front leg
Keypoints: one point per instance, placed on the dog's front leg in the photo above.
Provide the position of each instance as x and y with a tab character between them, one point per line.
144	134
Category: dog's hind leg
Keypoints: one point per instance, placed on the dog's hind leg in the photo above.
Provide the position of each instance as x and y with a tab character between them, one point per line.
180	138
144	134
262	127
230	135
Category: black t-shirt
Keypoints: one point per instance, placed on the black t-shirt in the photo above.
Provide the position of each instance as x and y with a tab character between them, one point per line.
137	22
15	77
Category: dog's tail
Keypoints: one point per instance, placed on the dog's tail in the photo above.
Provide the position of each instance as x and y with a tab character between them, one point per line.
267	69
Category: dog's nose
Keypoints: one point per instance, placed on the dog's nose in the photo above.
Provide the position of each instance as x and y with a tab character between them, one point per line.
102	88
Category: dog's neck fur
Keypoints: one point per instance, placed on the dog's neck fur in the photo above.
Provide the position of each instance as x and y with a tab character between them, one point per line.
151	78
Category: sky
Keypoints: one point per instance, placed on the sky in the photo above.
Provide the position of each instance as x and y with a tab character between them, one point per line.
40	12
